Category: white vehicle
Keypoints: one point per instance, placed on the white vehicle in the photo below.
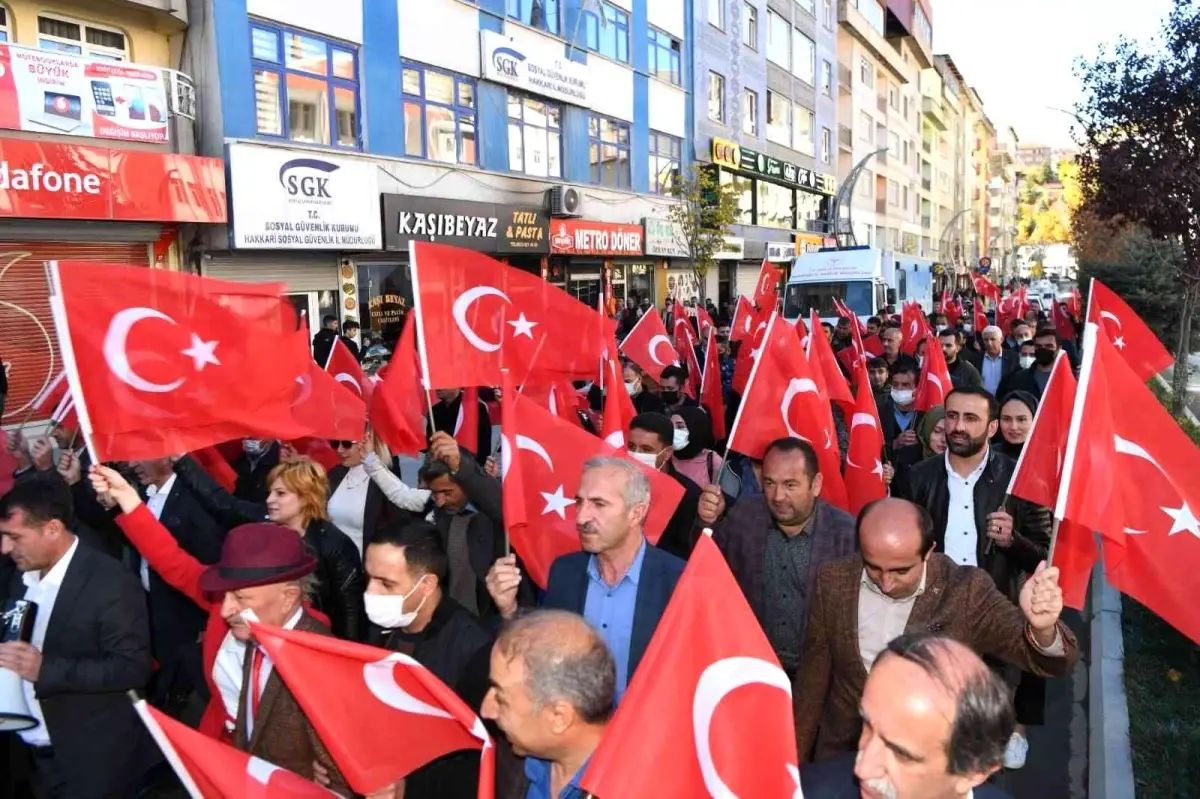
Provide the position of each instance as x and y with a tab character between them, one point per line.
866	279
1043	292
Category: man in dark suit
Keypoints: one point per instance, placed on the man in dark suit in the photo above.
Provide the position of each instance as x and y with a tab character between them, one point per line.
962	372
91	644
938	721
619	582
650	438
324	339
777	541
900	585
258	457
994	363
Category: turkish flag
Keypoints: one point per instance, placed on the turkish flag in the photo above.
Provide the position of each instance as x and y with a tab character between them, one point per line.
618	406
478	316
381	714
1062	321
542	459
748	352
864	467
980	317
712	395
704	321
783	400
648	345
327	407
1129	334
219	469
162	362
218	771
709	711
1075	303
934	383
913	327
766	290
317	449
398	404
828	374
346	369
744	316
466	426
687	354
1130	473
681	326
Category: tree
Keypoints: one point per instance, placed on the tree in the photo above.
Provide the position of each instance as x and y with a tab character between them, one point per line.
704	212
1140	119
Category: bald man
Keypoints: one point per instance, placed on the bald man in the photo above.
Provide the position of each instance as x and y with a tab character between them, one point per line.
936	721
553	684
899	585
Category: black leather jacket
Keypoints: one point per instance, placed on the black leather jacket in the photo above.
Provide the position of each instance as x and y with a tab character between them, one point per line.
926	486
340	580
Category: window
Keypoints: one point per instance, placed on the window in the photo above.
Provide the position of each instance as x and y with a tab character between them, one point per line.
305	87
808	5
803	57
867	126
666	159
608	151
873	11
779	119
776	205
904	147
827	13
664	57
716	13
826	146
79	38
866	73
611	39
3	24
894	144
540	14
827	78
804	130
866	184
904	103
750	31
534	136
894	96
439	115
905	206
750	112
743	189
893	195
924	29
778	38
716	97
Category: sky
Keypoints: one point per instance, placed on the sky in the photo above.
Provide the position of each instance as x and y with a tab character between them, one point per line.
1020	54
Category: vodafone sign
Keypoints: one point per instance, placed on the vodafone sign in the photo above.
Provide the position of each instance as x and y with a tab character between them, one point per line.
580	237
41	180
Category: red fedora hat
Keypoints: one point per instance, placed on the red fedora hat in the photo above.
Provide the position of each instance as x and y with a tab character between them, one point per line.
258	554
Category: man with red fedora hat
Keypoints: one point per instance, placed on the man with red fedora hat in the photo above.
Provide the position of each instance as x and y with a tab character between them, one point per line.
265	571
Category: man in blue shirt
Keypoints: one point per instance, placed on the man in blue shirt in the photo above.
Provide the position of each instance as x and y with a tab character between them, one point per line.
551	694
619	582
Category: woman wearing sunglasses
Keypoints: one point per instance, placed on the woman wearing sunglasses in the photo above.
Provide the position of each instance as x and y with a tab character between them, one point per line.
364	495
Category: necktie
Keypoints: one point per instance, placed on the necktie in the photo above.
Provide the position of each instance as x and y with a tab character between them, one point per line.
255	682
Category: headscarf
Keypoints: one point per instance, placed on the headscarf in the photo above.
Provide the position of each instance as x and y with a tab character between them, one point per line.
700	434
929	421
998	441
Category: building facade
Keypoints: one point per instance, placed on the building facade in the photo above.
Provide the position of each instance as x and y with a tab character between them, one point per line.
97	160
765	118
532	130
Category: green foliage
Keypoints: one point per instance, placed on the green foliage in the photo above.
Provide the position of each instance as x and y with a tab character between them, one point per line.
704	211
1043	212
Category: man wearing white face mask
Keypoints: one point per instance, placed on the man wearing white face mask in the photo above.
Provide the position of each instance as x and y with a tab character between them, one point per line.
259	456
406	568
652	438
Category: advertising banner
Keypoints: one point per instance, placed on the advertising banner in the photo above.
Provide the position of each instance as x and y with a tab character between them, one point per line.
48	92
485	227
584	237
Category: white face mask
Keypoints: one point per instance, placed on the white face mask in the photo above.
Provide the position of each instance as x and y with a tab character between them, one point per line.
252	446
387	610
648	458
1027	361
902	396
967	328
632	388
680	439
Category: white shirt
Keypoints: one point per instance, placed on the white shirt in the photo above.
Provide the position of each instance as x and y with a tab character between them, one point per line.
42	590
228	669
962	538
156	500
348	504
882	618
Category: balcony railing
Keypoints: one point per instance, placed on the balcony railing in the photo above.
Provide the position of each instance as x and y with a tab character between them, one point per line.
845	78
845	137
881	103
933	109
926	184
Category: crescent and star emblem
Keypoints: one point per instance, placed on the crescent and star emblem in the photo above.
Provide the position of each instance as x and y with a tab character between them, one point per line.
556	501
1118	341
1183	519
116	352
343	377
797	385
657	342
380	679
522	326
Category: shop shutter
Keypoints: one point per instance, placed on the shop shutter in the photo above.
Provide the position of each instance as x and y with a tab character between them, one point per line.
27	340
300	272
747	278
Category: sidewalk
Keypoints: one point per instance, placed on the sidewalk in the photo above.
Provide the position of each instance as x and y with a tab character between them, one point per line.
1057	767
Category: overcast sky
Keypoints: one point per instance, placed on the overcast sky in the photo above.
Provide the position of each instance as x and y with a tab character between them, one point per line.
1020	54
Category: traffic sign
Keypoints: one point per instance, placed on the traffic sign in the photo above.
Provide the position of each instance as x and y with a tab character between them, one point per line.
985	265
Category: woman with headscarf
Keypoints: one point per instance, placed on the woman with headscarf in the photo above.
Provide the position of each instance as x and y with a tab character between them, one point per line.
693	442
932	432
1017	410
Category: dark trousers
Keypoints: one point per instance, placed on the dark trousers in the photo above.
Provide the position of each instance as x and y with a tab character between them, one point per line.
34	772
1030	701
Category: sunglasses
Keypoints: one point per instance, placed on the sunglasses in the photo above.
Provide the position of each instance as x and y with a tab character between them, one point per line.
342	444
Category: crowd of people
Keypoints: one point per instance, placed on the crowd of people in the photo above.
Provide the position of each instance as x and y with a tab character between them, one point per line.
917	636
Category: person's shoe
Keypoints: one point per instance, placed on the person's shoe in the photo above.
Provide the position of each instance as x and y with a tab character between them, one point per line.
1016	751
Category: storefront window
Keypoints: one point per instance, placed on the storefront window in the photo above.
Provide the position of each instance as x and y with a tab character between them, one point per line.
775	205
634	282
744	188
808	209
386	292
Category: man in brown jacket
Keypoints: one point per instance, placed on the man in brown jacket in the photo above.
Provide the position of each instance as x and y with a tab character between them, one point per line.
900	585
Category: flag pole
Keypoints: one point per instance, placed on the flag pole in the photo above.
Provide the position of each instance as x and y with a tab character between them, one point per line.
1090	331
62	324
419	333
750	380
160	738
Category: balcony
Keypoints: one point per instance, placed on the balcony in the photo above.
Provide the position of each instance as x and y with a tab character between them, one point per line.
845	79
927	223
926	184
845	138
935	112
854	23
881	103
881	206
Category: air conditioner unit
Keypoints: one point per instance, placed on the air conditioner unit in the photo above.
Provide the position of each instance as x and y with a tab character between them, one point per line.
181	94
565	201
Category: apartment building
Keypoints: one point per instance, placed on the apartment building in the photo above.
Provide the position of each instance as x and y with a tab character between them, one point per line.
1003	189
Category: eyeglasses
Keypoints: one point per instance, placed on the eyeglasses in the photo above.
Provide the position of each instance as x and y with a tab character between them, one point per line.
342	444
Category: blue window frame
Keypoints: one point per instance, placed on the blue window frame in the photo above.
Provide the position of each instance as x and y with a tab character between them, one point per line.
608	151
534	136
610	39
439	115
541	14
305	87
666	160
664	57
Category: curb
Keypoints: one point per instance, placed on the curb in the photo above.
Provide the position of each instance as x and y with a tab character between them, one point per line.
1110	758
